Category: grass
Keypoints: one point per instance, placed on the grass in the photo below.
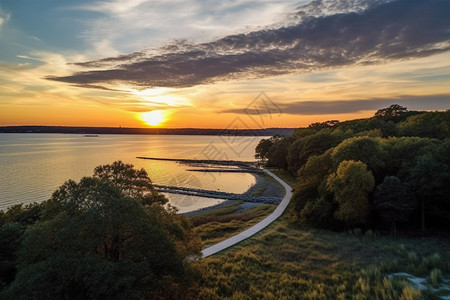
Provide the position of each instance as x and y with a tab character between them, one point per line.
291	262
219	224
288	261
285	176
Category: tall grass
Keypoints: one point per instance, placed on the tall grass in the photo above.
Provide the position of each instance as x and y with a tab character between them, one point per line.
288	261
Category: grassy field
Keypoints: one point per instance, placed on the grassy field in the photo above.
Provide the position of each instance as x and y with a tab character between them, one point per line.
288	261
219	224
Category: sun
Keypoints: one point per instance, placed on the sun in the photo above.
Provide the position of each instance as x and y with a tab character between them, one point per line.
154	117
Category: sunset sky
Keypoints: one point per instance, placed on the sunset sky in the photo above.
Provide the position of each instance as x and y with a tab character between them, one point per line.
216	64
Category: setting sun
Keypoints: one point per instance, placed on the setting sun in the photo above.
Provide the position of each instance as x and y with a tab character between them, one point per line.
153	118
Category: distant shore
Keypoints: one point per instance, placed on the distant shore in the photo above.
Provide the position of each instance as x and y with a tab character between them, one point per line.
226	133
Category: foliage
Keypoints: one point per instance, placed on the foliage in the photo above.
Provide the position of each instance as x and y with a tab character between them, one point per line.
430	124
351	184
322	125
302	148
392	202
428	180
289	261
392	113
277	155
310	177
364	149
262	149
97	240
318	213
402	153
10	237
410	145
132	182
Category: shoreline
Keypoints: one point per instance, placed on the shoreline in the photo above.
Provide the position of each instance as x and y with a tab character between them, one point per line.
258	180
260	183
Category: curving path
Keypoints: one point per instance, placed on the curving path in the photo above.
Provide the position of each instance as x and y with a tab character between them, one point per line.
255	228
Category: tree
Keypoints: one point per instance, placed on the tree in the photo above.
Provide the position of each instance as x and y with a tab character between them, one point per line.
427	181
365	149
351	185
391	201
322	125
391	113
14	223
10	237
310	177
402	153
262	149
277	155
302	148
132	182
98	241
429	124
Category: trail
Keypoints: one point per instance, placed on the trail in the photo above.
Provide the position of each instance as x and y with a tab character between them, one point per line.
255	228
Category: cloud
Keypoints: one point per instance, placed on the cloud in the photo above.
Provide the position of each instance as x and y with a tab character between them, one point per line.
127	26
430	102
322	37
4	17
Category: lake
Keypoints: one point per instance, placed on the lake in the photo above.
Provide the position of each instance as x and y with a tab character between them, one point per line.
34	165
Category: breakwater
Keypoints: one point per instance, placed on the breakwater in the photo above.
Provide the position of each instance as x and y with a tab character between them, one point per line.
237	163
216	194
226	170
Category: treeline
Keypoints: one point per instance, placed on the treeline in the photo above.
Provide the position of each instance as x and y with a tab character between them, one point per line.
393	168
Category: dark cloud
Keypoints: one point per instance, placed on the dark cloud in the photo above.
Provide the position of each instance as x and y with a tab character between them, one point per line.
432	102
320	36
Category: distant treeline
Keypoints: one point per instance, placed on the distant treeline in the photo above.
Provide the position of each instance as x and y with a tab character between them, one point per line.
393	168
162	131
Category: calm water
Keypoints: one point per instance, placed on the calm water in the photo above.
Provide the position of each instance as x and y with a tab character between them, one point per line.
32	166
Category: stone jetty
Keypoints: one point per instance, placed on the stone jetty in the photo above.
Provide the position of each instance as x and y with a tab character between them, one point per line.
216	194
227	170
242	164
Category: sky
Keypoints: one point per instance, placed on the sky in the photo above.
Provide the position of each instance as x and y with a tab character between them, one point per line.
219	64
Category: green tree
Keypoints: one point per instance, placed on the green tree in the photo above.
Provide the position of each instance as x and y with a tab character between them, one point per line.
10	237
351	185
365	149
402	153
319	212
302	148
427	181
322	125
132	182
22	214
97	241
391	113
310	177
392	202
262	149
14	223
429	124
277	155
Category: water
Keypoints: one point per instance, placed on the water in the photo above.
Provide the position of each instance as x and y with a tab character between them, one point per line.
32	166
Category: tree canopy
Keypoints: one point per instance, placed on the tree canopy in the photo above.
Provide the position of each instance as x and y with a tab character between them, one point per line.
391	201
411	146
106	236
351	185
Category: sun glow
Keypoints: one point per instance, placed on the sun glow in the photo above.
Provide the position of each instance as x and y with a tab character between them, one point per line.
154	117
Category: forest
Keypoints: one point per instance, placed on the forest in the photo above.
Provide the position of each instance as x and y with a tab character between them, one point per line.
387	172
